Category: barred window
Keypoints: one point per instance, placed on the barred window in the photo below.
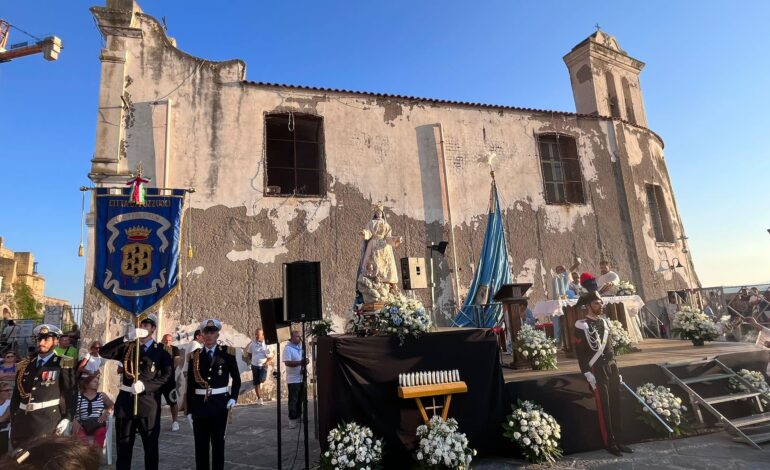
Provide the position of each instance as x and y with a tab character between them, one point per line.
562	177
294	165
661	219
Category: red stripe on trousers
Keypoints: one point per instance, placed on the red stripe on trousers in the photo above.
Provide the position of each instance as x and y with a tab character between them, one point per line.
602	426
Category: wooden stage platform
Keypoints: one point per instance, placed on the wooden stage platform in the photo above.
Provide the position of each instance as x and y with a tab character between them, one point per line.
565	394
653	351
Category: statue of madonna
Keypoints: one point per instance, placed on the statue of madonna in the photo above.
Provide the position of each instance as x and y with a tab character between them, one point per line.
377	267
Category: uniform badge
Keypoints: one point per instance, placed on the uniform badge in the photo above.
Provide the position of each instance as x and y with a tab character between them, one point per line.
44	330
220	371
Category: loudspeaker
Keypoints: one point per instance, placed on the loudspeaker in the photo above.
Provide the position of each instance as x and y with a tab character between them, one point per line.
302	291
270	313
413	274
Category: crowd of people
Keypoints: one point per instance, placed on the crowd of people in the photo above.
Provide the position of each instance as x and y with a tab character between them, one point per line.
55	392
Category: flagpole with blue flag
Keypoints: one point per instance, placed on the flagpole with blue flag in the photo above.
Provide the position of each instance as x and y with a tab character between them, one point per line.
493	271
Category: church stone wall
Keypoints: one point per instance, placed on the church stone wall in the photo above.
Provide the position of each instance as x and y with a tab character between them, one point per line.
195	123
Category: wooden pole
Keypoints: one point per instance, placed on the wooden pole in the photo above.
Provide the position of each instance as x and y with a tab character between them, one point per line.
136	369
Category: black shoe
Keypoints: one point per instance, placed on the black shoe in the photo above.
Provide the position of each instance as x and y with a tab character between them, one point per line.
625	448
615	451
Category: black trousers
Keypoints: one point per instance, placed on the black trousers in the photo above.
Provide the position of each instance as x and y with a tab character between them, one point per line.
209	432
3	443
295	400
607	395
126	429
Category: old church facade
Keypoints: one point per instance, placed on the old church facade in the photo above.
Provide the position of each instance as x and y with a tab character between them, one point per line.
285	173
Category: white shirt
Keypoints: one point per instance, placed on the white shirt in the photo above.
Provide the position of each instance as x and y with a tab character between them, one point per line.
260	353
293	352
4	406
191	346
93	364
610	277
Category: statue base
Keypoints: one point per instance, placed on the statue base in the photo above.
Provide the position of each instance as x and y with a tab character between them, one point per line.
373	307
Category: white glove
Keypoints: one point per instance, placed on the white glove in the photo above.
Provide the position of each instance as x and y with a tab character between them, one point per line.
230	403
591	380
135	333
189	420
62	426
620	378
138	387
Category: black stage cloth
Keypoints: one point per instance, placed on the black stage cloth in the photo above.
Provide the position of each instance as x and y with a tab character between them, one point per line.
569	400
358	381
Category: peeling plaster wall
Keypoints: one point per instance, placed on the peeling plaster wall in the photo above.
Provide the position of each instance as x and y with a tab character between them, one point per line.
375	149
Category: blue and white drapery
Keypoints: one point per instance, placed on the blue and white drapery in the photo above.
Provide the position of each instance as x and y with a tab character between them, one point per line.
493	271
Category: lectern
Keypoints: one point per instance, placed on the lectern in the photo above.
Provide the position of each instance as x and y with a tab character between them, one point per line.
514	300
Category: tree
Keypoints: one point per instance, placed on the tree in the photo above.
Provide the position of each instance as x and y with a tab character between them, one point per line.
26	304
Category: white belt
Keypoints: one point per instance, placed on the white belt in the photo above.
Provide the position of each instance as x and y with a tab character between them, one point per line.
38	406
211	391
127	388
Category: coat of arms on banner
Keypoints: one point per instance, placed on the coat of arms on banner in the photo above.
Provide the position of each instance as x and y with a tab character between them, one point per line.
137	247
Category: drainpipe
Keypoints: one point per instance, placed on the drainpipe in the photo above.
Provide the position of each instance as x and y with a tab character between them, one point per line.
164	180
456	286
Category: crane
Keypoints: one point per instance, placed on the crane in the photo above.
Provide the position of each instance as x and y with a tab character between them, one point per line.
49	46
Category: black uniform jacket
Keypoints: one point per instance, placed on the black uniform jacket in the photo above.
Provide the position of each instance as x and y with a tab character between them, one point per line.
55	380
155	369
594	329
215	373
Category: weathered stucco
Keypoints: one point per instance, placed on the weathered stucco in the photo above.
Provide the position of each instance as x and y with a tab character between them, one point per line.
198	124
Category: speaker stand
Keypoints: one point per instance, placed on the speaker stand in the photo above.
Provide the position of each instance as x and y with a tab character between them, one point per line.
278	402
303	391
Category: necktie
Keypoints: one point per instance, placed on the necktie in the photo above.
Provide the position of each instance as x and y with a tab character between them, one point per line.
40	363
211	354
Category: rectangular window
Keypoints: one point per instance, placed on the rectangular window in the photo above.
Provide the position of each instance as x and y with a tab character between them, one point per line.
562	177
661	220
294	163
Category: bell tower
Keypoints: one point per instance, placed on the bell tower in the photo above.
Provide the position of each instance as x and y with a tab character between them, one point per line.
605	79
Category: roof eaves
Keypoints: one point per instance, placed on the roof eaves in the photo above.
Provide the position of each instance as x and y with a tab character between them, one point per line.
452	102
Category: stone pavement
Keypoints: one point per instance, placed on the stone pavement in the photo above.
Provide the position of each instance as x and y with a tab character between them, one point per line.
251	444
711	451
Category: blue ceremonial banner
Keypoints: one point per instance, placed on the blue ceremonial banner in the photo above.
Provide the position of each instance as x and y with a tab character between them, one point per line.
493	272
137	247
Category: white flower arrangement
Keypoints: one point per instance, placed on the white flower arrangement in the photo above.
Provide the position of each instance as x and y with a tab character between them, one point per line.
621	340
536	347
667	405
442	446
534	431
352	446
401	316
755	378
625	288
691	323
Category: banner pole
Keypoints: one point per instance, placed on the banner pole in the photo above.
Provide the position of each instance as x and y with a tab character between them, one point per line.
136	368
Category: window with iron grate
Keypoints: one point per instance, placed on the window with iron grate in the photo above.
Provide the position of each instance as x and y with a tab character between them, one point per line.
562	176
294	148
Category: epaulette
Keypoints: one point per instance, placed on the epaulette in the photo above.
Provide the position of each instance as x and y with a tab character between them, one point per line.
581	324
228	349
67	362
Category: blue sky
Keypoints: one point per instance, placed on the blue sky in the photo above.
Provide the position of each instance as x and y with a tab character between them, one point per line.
705	88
